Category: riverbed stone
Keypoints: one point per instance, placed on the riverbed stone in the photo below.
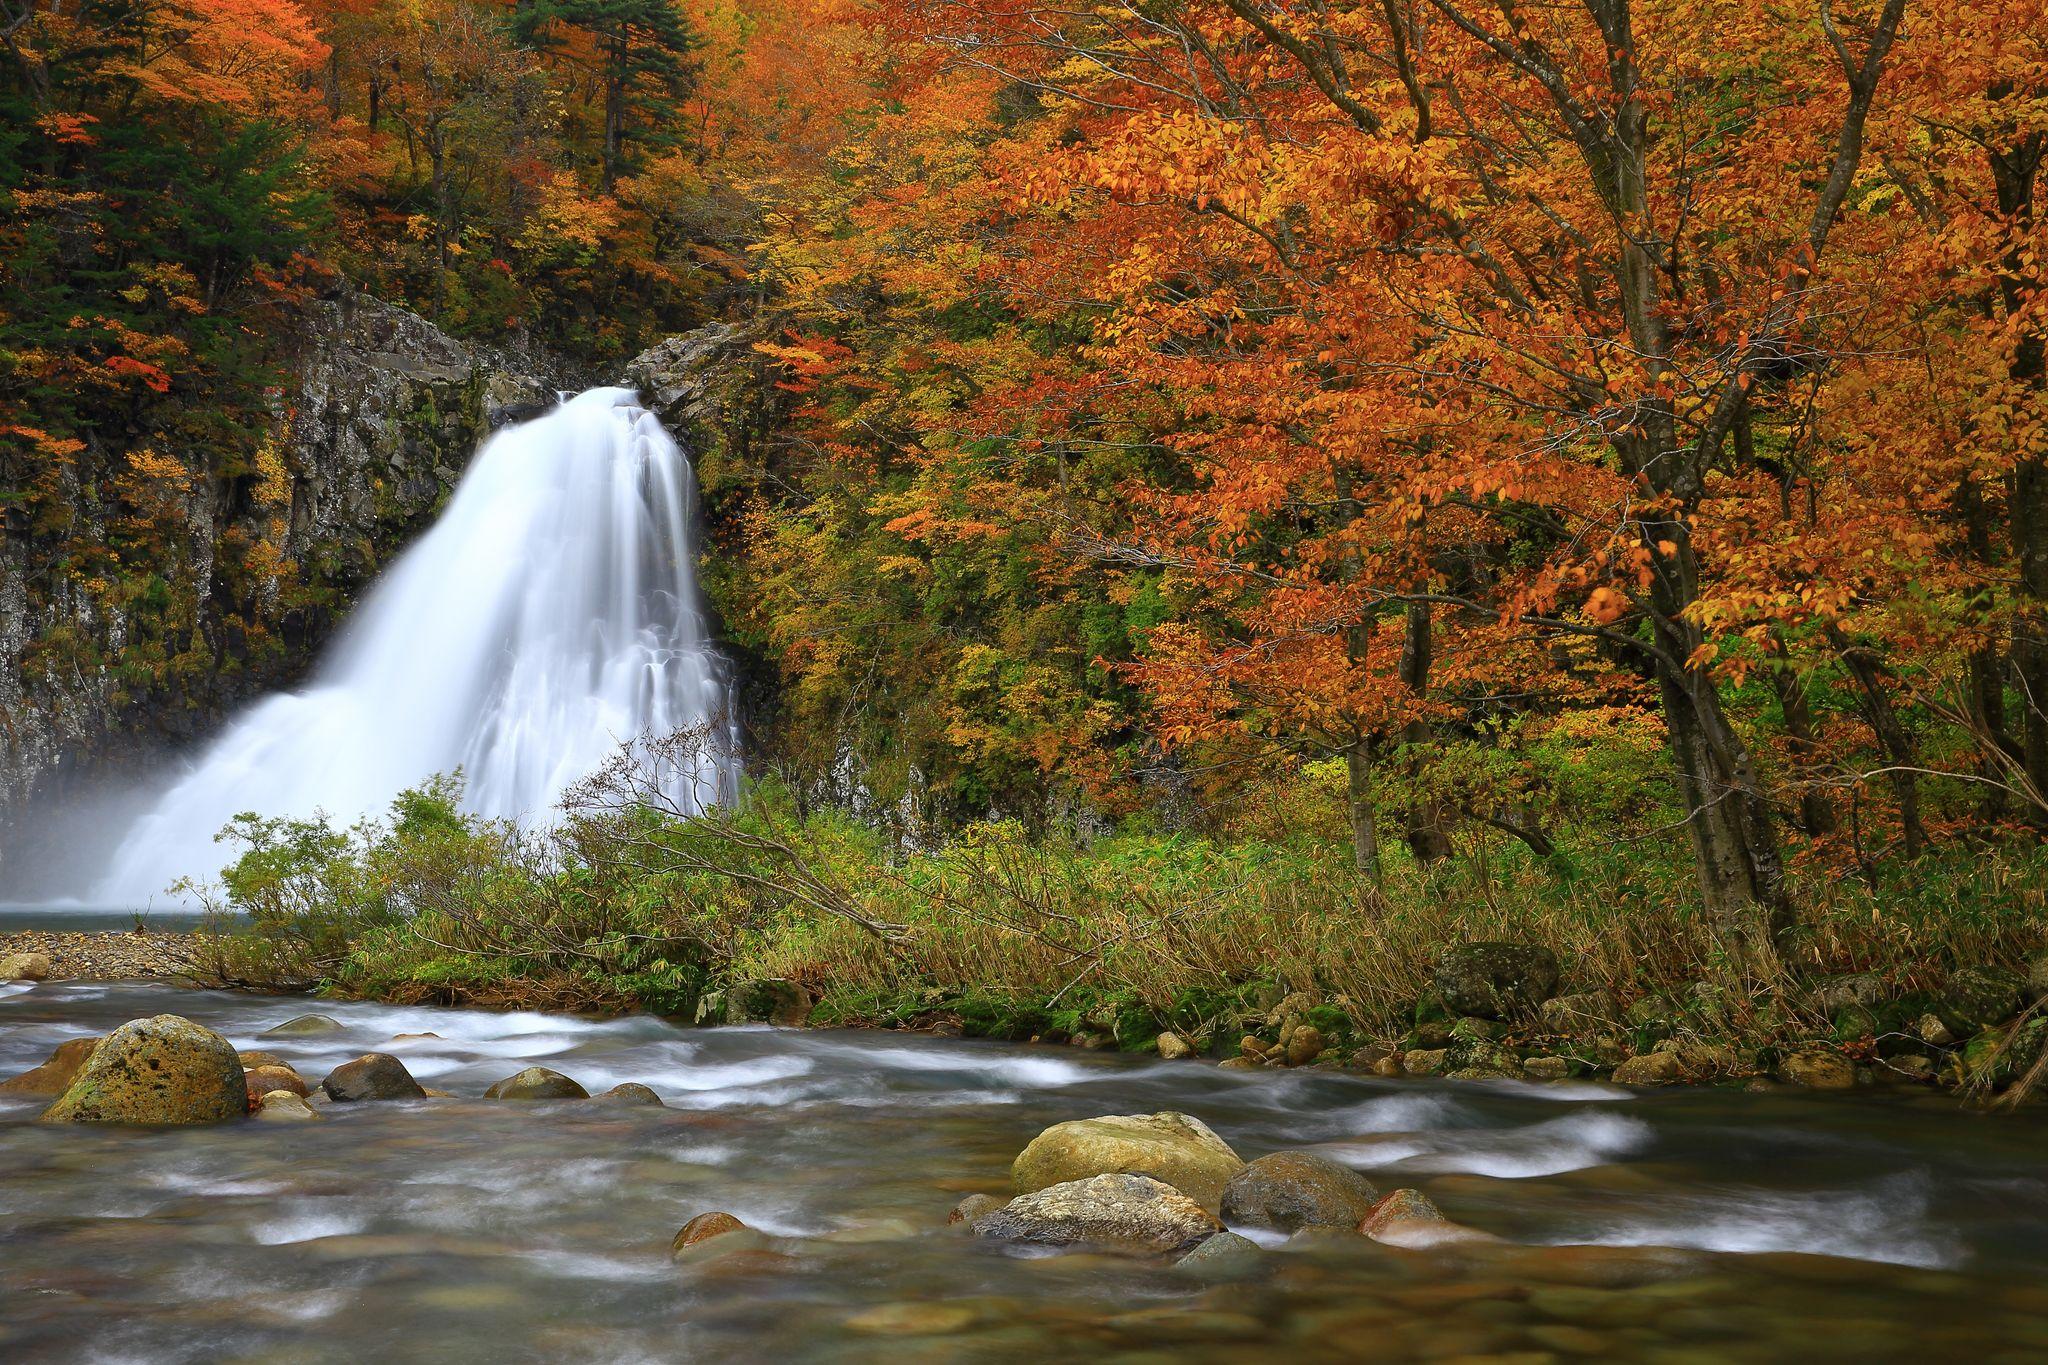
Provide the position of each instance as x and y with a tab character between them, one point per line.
717	1236
1650	1068
262	1080
251	1058
973	1207
285	1106
1978	997
161	1070
1175	1148
1288	1191
1547	1068
56	1071
1117	1211
1408	1218
372	1076
1818	1068
1225	1256
1304	1044
1238	1064
537	1083
306	1025
630	1092
1933	1032
1172	1046
1426	1061
25	967
1496	980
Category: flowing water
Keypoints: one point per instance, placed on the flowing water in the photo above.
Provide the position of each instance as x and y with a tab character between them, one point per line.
549	616
1684	1226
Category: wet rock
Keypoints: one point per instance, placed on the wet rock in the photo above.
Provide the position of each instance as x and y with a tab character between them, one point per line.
537	1083
1252	1047
1495	980
1472	1031
1906	1069
1547	1068
1170	1147
1122	1212
973	1207
1238	1064
1582	1013
1172	1046
285	1106
1225	1256
1818	1069
262	1080
1650	1068
1304	1044
710	1235
306	1025
1288	1191
25	967
1978	997
372	1076
1407	1218
160	1070
1389	1065
251	1059
1426	1061
54	1075
630	1092
1933	1032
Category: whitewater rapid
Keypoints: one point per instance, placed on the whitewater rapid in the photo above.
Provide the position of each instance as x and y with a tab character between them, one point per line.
549	616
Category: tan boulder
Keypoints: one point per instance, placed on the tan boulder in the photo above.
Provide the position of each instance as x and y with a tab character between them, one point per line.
1174	1148
160	1070
25	967
285	1106
1119	1212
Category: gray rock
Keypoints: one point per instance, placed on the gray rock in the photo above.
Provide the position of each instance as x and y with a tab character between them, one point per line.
537	1083
1119	1212
372	1076
161	1070
1288	1191
680	378
1496	980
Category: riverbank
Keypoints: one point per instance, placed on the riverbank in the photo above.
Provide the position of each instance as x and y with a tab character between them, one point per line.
86	955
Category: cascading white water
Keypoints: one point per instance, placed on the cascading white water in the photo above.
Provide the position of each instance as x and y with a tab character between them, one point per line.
548	617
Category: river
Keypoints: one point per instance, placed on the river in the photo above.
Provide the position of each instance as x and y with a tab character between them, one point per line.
1798	1227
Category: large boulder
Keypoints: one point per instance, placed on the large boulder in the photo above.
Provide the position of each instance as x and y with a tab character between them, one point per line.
372	1076
1174	1148
160	1070
25	967
1119	1212
1496	980
537	1083
54	1075
1288	1191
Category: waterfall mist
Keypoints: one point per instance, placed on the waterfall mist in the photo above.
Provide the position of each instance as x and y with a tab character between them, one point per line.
550	615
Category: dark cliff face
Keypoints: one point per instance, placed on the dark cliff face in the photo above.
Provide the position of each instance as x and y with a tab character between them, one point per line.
382	417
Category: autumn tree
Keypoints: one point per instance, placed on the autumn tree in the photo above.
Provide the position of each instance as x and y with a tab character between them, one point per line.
640	52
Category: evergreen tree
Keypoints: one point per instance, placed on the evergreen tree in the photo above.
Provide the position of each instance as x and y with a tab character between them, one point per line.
644	67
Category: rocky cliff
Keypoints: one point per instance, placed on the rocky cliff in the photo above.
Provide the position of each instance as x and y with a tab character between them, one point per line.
258	567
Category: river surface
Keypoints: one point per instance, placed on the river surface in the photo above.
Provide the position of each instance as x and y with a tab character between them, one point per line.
1799	1228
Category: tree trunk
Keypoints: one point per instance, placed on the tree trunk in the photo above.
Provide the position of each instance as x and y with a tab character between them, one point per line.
1899	750
1365	838
1816	812
1425	834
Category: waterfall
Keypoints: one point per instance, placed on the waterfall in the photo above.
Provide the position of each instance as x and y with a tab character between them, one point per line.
548	617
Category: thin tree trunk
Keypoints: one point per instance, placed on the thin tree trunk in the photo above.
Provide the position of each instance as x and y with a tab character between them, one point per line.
1425	834
1816	812
1900	751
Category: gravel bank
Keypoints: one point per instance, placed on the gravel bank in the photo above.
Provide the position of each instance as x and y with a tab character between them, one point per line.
118	956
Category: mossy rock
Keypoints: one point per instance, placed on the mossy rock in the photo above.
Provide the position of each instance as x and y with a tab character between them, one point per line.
161	1070
1977	998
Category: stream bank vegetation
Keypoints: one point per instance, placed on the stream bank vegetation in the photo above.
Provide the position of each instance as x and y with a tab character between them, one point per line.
786	909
